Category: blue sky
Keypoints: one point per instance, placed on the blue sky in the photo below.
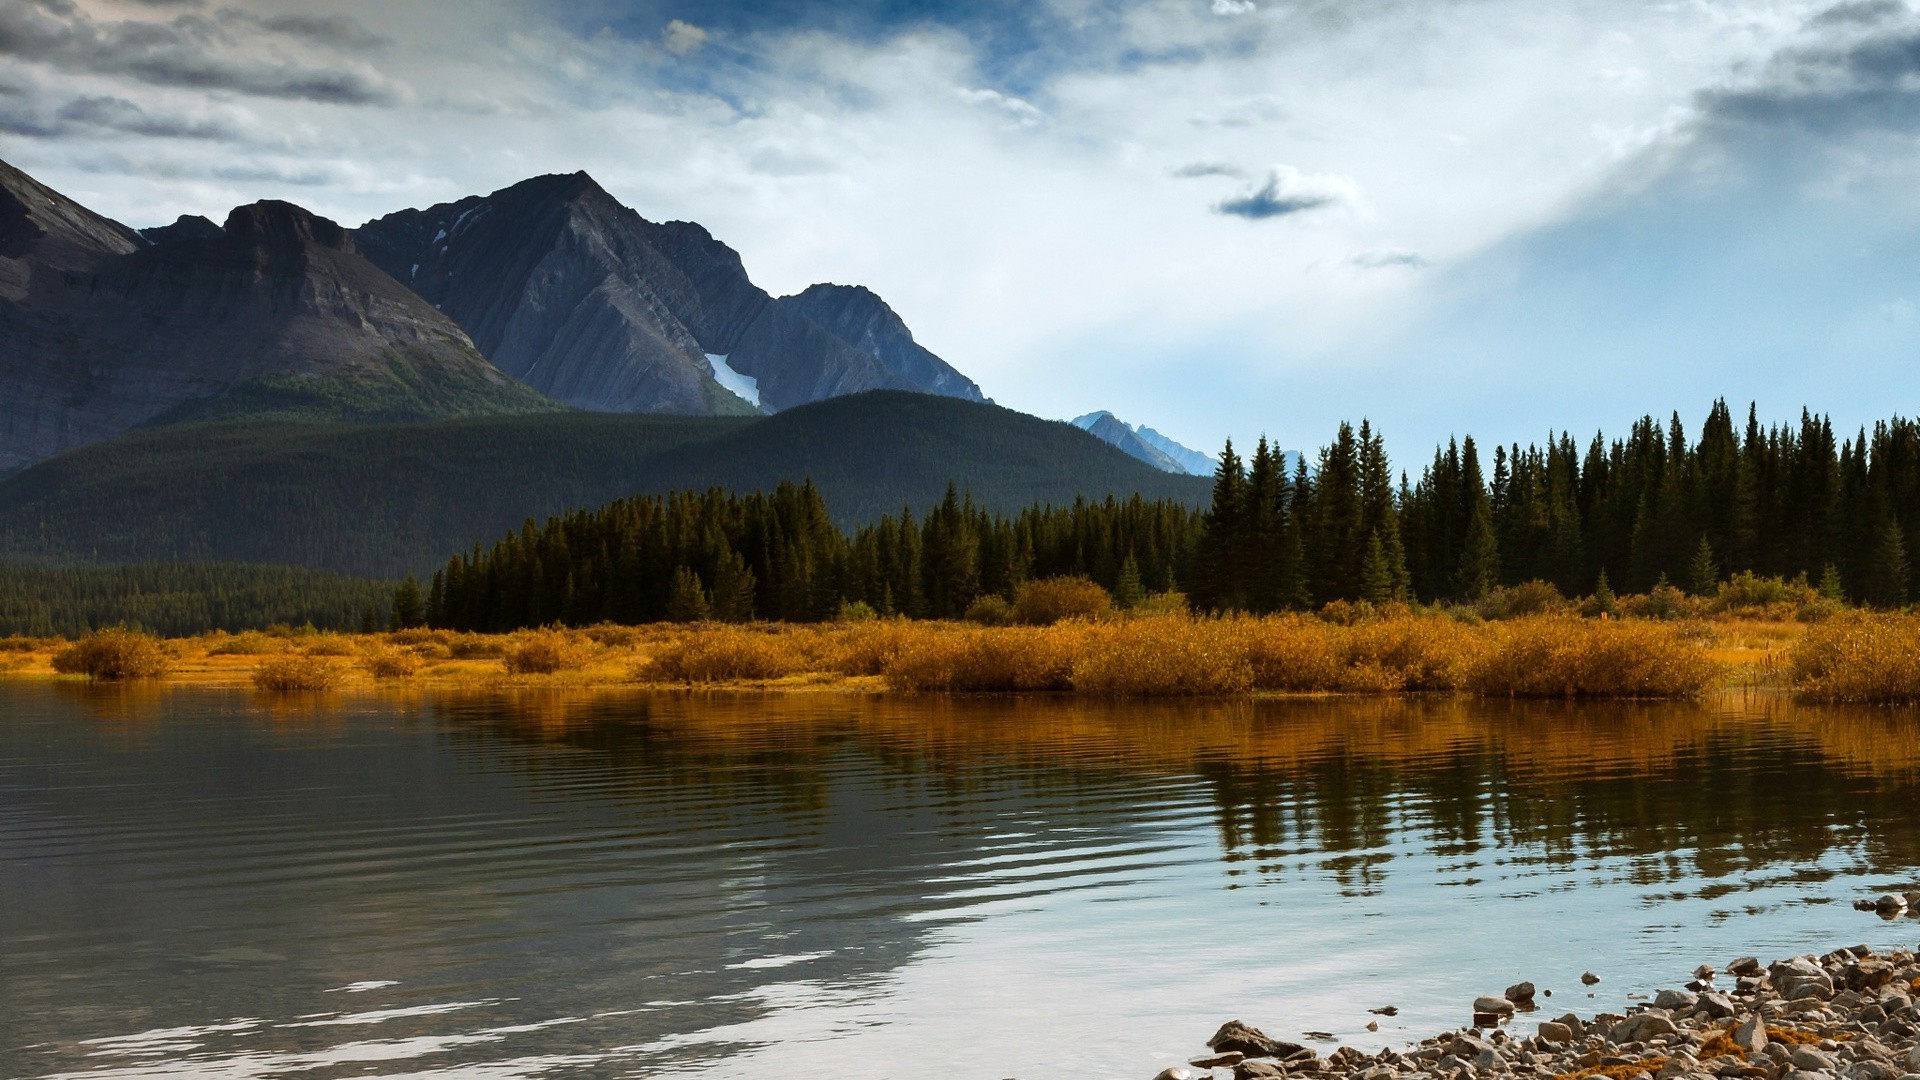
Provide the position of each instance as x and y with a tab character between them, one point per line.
1211	216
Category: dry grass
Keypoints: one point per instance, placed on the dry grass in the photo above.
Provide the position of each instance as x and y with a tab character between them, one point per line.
1150	653
722	654
248	643
1859	657
293	673
114	655
383	661
544	652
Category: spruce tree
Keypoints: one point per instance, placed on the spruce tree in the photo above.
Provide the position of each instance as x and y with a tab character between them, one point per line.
1127	590
686	599
1703	574
733	588
1604	602
409	606
1830	586
1889	573
1377	583
1479	554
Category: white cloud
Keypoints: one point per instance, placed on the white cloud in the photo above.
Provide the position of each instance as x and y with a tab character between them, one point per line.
1234	7
682	38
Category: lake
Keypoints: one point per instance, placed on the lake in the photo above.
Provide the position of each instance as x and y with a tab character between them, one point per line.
214	883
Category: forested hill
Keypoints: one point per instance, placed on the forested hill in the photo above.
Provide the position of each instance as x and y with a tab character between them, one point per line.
389	499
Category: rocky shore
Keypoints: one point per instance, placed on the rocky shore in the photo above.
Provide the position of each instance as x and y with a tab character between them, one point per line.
1848	1015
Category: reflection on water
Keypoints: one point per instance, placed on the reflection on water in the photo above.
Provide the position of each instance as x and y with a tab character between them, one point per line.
200	883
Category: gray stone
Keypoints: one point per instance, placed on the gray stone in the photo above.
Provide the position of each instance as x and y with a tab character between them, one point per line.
1258	1070
1750	1036
1556	1033
1521	994
1640	1027
1251	1041
1675	1000
1492	1006
1806	1057
1173	1073
1219	1061
1588	978
1746	965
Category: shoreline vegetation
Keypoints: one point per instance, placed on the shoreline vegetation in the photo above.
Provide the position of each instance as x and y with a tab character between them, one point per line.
1156	650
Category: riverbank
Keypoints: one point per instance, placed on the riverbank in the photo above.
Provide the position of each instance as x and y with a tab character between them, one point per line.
1847	1015
1161	655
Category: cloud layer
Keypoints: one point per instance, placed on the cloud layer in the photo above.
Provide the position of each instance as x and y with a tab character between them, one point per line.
1074	202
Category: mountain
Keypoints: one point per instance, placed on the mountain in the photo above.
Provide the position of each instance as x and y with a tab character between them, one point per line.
387	499
1145	444
855	315
274	313
587	301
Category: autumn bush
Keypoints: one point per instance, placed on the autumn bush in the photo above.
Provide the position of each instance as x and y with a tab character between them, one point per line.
384	661
298	673
114	654
1162	656
721	652
978	659
1049	600
1859	657
544	652
476	647
249	643
1565	656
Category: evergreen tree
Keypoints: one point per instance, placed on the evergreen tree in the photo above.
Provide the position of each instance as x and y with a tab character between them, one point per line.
1889	573
733	589
409	606
1127	590
1479	554
1830	586
1376	573
686	600
1703	573
1604	602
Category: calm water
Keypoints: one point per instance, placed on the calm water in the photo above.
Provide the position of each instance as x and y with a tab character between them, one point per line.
198	883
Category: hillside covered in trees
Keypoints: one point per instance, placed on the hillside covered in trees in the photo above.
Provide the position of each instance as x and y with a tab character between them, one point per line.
386	500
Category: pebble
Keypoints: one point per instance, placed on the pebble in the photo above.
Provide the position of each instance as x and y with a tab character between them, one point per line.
1845	1015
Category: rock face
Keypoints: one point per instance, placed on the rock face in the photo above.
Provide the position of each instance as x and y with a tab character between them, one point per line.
856	316
1148	445
102	329
585	300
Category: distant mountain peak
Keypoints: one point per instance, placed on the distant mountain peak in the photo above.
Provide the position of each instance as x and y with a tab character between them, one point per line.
1144	444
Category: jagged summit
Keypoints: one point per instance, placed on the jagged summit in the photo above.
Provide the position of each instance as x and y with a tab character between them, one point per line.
583	298
102	329
1144	444
857	316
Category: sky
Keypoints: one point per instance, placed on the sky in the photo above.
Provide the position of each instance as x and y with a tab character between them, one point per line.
1214	217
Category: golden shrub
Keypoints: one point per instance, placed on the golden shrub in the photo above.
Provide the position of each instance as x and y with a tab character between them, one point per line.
249	643
1293	654
543	652
613	635
973	659
114	654
388	662
867	648
298	673
476	647
329	645
1564	656
720	652
1859	657
1162	656
1050	600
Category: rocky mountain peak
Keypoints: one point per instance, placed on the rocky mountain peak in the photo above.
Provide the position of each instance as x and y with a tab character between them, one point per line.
186	227
280	226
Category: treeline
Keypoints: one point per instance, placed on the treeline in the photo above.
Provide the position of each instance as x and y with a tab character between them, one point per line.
779	556
184	598
1788	501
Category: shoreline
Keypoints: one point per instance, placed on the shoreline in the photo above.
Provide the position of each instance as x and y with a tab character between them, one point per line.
1846	1015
